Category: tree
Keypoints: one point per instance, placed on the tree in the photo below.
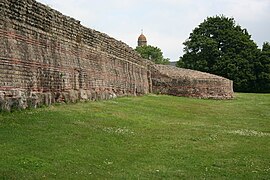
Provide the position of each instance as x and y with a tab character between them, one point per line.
221	47
262	70
152	53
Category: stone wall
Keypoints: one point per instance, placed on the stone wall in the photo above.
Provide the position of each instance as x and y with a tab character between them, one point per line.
185	82
46	57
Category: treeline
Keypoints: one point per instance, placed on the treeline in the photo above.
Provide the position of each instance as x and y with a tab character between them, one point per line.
220	46
152	53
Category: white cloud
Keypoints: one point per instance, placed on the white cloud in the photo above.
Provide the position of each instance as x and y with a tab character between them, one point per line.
248	10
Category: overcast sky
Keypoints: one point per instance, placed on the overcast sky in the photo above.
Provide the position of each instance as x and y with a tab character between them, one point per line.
165	23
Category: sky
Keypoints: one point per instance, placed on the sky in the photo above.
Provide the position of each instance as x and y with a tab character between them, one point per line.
165	23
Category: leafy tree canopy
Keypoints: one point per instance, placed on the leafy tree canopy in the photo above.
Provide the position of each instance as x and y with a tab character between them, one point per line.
152	53
262	70
222	47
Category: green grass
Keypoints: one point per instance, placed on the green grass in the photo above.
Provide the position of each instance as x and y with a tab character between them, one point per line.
150	137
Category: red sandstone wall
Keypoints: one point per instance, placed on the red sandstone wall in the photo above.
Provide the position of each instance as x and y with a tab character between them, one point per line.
184	82
46	57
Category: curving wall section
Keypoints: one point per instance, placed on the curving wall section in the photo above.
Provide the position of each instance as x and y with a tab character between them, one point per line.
47	57
189	83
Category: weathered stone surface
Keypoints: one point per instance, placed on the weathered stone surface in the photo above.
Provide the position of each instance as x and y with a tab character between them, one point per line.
47	57
184	82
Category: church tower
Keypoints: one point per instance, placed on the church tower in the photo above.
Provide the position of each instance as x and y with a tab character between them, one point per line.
142	40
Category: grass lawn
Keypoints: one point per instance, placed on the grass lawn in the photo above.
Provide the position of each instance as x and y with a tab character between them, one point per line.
149	137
